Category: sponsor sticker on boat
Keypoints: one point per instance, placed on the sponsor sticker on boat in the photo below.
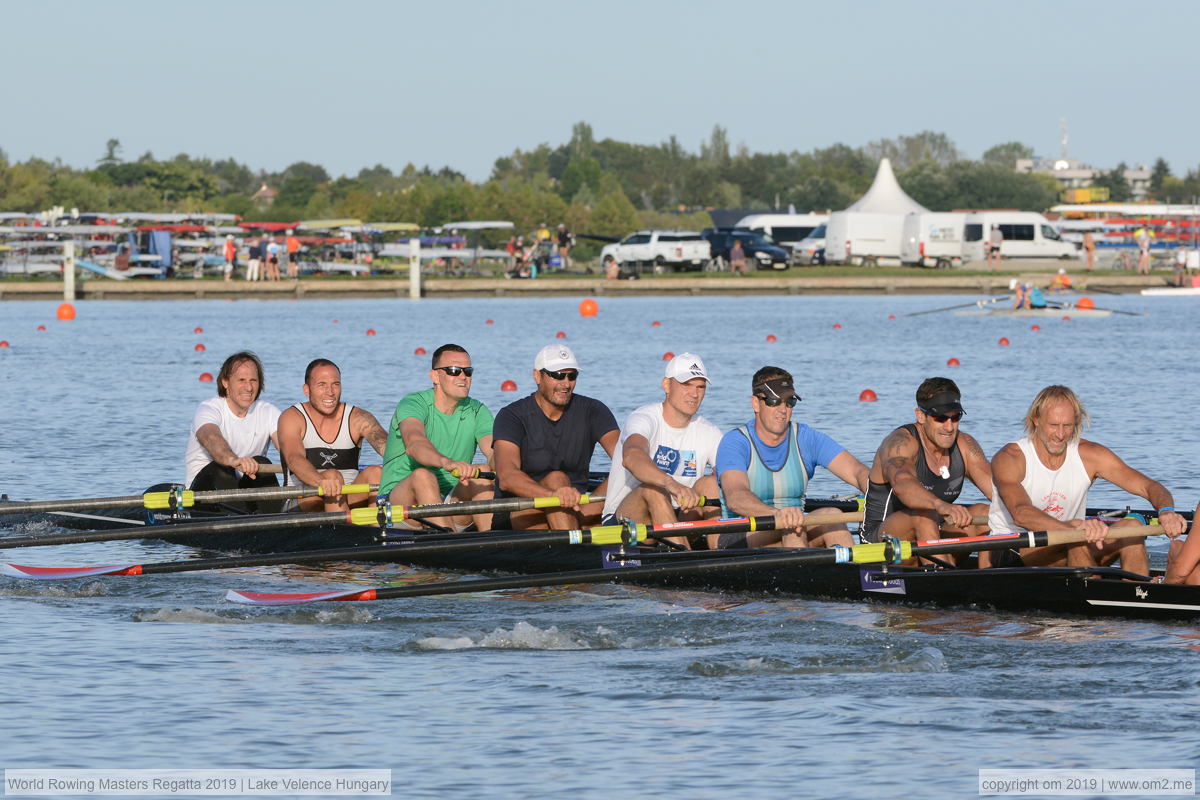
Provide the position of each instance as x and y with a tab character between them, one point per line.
868	580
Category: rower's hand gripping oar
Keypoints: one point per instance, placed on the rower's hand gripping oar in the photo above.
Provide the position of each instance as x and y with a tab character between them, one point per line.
890	551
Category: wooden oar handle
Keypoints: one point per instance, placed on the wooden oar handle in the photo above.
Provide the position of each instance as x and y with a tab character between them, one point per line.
1075	536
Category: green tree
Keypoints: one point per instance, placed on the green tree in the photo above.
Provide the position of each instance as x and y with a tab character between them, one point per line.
614	215
1159	174
1007	154
1118	187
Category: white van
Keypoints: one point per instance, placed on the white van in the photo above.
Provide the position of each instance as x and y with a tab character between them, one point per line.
787	230
863	238
933	239
1027	234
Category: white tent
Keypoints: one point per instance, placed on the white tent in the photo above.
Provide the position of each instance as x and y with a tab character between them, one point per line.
885	195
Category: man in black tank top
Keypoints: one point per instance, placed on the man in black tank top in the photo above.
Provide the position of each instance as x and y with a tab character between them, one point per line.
919	471
319	447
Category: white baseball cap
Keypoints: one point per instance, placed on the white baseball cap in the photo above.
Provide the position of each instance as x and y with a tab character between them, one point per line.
686	366
555	357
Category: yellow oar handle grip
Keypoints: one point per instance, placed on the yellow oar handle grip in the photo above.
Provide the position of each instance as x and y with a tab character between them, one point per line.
877	552
350	488
553	502
619	534
478	472
153	500
367	515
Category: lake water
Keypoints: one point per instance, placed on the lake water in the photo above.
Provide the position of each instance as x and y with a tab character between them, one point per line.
593	691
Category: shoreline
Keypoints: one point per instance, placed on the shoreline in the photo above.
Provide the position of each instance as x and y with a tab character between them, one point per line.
920	282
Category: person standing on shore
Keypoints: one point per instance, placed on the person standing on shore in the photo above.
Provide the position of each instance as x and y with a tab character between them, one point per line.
1142	237
1089	251
737	257
230	254
995	240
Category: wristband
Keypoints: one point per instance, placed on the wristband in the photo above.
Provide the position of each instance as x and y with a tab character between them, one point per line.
1164	509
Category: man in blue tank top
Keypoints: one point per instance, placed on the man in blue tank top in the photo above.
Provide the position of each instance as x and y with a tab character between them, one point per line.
764	466
919	471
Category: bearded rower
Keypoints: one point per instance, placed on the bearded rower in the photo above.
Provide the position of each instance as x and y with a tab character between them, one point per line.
919	471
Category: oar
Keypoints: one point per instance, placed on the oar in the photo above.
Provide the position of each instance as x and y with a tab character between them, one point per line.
381	516
979	303
432	544
888	552
178	498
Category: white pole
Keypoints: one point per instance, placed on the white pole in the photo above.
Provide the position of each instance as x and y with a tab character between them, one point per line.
414	267
69	270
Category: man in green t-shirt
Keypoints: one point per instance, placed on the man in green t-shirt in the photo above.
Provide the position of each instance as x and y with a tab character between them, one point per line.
435	432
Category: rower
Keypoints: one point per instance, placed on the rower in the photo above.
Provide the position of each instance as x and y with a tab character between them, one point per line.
659	469
1183	560
321	438
1042	480
231	432
764	467
544	445
919	471
432	441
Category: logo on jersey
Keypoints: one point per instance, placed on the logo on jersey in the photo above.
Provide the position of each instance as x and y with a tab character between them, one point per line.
680	463
327	459
1053	504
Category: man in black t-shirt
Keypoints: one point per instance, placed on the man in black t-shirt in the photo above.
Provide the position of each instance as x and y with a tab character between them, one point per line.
543	444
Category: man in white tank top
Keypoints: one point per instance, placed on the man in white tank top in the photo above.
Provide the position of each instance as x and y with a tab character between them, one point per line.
1041	483
319	440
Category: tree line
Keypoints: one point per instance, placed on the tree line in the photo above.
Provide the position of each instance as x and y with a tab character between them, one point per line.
605	187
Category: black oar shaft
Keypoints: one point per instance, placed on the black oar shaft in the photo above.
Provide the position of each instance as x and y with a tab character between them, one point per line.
223	525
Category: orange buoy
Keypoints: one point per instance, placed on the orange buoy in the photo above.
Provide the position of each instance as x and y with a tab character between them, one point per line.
837	326
655	324
953	362
1066	319
508	386
370	331
199	348
771	337
3	342
206	377
489	322
667	356
589	308
66	312
560	335
1086	303
41	327
867	396
1004	341
420	351
197	329
1035	327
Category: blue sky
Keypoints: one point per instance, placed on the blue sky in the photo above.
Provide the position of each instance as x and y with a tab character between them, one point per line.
355	83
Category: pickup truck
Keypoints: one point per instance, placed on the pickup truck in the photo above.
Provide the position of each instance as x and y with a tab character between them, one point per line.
660	251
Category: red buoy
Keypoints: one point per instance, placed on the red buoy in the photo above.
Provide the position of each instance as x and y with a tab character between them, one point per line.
370	331
1086	303
953	362
560	335
206	377
667	356
589	308
420	351
508	386
891	316
1004	341
66	312
1066	319
1035	327
867	396
655	324
335	322
837	326
41	327
197	329
489	322
771	337
199	348
3	342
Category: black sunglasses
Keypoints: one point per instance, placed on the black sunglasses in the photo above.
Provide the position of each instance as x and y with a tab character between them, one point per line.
565	375
941	418
456	371
790	401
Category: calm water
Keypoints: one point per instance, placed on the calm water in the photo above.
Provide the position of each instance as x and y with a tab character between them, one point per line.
595	691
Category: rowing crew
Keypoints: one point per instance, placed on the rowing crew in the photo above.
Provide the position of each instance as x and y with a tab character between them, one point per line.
667	458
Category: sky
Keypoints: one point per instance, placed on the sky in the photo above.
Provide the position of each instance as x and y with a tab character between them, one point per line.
355	83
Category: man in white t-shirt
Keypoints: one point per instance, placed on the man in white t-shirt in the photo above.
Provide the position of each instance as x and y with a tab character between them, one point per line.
231	431
658	472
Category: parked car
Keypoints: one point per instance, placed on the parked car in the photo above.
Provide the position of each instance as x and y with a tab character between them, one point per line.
758	248
811	249
661	251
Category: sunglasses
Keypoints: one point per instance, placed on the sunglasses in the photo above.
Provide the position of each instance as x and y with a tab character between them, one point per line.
566	375
790	401
454	372
942	418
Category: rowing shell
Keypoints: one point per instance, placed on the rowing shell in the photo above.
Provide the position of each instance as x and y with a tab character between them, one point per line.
1037	312
1172	291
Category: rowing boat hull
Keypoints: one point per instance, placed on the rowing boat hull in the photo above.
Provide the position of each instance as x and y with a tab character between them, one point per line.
1037	312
